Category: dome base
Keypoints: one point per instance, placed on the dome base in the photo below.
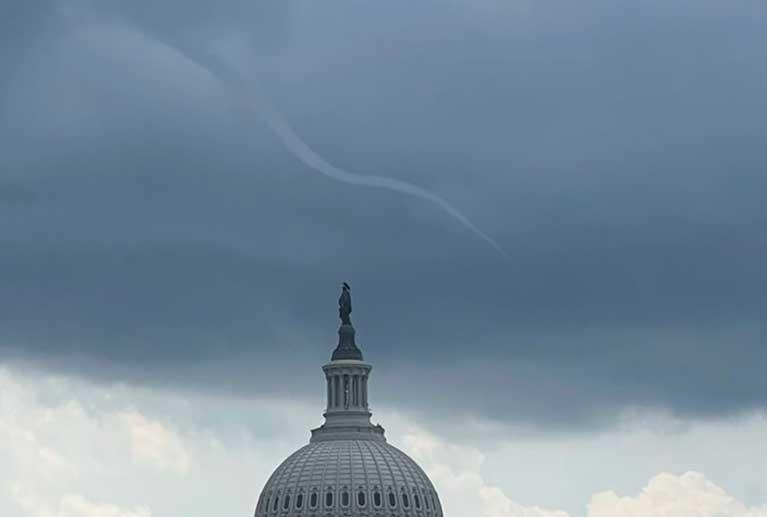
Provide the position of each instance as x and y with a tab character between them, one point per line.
327	433
350	478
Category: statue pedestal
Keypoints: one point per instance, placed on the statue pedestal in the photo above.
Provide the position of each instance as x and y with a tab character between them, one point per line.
347	348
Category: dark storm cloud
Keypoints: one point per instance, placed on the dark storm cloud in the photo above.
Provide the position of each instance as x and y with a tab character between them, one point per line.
152	229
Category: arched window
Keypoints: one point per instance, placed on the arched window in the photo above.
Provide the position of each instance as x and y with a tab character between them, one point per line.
361	498
417	501
299	501
313	500
392	500
286	502
276	504
426	501
405	500
377	499
345	498
329	499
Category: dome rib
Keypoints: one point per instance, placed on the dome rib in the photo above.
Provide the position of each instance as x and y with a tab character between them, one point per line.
337	483
391	473
323	482
350	488
375	462
364	471
304	465
287	476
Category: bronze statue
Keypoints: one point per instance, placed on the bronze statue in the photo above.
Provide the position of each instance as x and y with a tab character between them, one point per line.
345	304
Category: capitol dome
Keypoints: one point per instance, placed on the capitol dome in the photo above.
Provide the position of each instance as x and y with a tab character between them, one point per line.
348	469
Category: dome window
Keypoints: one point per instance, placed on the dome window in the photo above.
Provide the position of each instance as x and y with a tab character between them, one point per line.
377	499
276	503
329	499
345	498
417	501
405	500
286	502
426	501
260	506
313	500
392	500
299	501
361	498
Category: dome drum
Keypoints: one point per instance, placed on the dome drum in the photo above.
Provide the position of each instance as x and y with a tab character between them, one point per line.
352	478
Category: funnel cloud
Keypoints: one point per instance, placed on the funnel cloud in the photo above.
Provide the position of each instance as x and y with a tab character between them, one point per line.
256	101
312	159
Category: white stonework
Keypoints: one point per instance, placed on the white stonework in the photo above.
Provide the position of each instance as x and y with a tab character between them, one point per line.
348	469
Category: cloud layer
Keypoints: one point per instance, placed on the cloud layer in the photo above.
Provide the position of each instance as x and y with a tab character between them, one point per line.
151	227
74	449
688	495
71	449
156	234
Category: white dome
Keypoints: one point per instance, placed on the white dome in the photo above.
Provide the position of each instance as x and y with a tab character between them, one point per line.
350	478
348	469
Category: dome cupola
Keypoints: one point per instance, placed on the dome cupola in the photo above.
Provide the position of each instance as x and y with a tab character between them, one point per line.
348	469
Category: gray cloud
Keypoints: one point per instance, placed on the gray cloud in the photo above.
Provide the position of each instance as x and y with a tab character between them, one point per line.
153	230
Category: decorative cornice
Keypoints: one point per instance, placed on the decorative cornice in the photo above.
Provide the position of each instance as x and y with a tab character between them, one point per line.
327	433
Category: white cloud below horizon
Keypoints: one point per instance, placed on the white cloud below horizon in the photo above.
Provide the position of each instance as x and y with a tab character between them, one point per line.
667	495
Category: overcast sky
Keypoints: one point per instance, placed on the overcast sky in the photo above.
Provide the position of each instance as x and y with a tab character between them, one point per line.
158	233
